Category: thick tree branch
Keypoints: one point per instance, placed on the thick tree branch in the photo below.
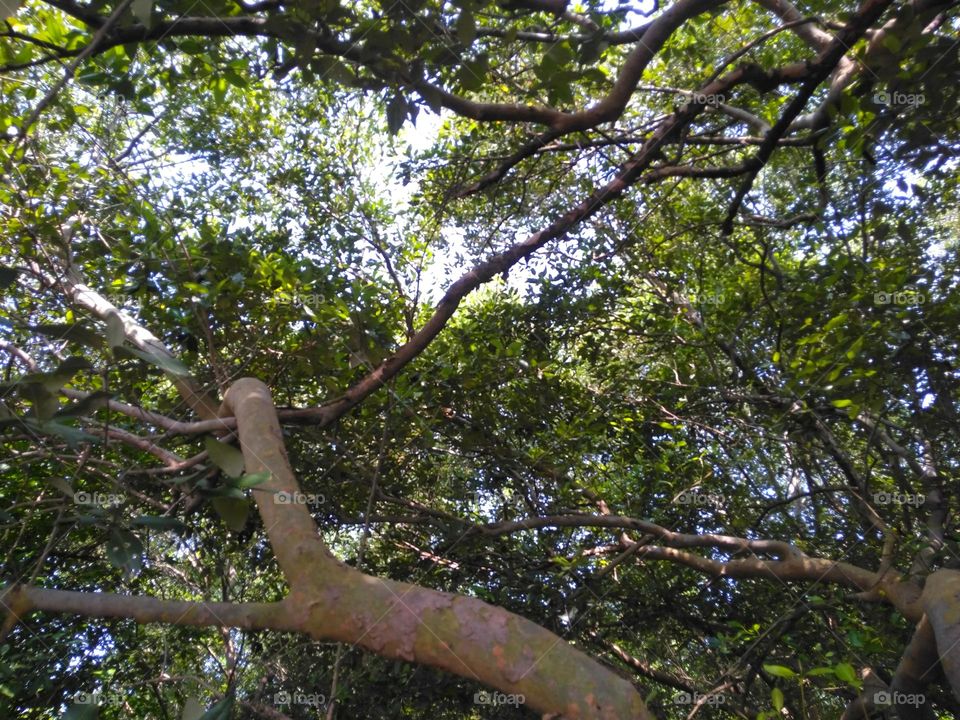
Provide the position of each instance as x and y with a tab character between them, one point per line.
455	633
918	667
608	109
332	601
20	601
941	602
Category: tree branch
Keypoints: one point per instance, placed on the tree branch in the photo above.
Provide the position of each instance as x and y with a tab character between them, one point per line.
459	634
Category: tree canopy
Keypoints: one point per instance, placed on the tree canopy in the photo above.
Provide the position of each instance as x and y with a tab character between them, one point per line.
477	359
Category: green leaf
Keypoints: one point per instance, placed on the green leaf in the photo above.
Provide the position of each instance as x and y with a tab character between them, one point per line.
226	457
841	403
891	42
56	379
228	491
776	697
559	55
473	73
331	69
835	321
847	673
193	46
125	551
61	485
780	671
233	511
251	480
219	87
591	50
72	435
44	403
221	711
235	78
192	709
855	348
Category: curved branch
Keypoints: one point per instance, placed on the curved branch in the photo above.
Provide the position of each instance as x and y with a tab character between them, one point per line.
609	108
941	602
916	670
171	426
775	548
171	460
901	594
332	601
455	633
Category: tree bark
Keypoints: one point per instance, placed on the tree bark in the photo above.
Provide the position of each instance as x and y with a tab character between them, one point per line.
465	636
941	601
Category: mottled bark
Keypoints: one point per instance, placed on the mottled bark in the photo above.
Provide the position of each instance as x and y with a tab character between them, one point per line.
465	636
941	601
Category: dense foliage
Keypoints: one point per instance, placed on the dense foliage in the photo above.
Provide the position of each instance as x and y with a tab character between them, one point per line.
713	315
